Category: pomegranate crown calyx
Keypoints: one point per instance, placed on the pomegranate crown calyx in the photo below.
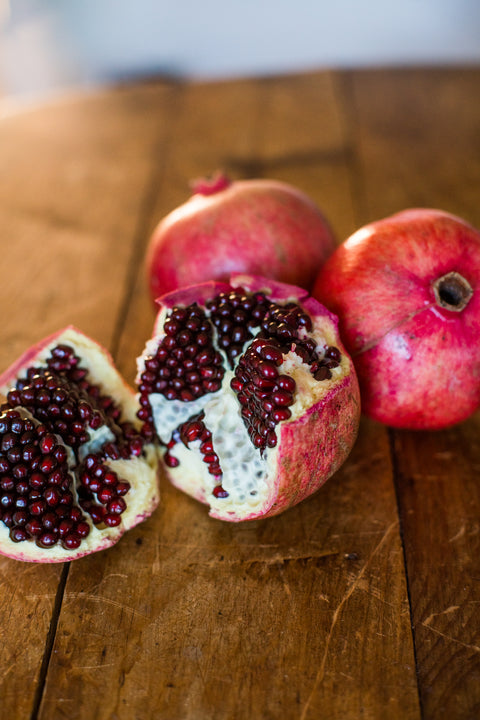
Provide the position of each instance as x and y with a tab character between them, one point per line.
210	185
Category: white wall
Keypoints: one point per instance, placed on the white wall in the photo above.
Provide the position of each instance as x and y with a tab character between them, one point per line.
51	44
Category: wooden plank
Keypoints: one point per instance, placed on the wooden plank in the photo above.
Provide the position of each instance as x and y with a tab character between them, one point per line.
417	138
72	179
63	173
440	504
418	146
288	618
292	617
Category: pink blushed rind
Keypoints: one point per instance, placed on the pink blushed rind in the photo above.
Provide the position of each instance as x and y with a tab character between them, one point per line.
253	226
417	360
334	423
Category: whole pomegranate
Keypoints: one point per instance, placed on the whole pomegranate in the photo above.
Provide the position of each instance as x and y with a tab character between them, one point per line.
75	473
261	227
407	292
251	393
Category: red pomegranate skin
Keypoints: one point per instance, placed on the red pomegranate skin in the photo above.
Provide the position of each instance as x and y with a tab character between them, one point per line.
261	227
417	358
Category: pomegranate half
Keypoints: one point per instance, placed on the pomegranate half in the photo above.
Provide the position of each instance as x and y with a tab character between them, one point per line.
251	393
75	473
262	227
407	292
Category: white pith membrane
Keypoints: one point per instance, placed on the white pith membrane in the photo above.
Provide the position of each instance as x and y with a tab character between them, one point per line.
140	472
247	473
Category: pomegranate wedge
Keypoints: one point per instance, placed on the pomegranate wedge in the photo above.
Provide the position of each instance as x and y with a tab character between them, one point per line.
75	473
248	388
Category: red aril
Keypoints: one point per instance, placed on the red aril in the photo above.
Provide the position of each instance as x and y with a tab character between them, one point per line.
406	290
262	227
75	473
251	393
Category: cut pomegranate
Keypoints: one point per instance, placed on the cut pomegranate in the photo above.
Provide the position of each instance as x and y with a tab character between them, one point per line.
251	393
75	472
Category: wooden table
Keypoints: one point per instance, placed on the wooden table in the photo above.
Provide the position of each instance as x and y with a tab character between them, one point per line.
362	602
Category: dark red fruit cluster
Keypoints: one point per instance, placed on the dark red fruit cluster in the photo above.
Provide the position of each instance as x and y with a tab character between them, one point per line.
235	315
36	485
185	366
36	499
98	481
195	429
264	394
61	396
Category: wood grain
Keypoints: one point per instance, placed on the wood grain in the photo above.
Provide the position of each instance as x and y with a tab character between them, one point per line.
418	138
361	602
245	621
72	182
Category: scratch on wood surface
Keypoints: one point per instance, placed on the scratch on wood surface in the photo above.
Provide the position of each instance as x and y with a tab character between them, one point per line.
450	609
107	601
350	590
113	575
7	671
40	596
458	535
468	646
89	596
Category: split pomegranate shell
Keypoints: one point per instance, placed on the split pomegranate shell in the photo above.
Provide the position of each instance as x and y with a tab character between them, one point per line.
251	393
406	289
254	226
75	474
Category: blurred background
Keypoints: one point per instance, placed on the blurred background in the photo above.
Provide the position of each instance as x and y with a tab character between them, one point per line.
47	46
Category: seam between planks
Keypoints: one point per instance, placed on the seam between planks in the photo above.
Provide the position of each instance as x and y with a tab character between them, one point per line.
49	643
145	213
395	473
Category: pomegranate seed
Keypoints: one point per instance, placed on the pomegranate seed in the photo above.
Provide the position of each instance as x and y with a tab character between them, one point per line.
18	534
106	494
122	488
281	414
285	382
282	398
72	541
82	529
117	506
96	512
34	527
47	539
65	528
323	373
38	507
7	500
110	478
48	463
52	496
219	492
75	514
49	521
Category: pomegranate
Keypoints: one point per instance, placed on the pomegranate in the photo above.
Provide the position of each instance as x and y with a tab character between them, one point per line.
407	292
75	473
251	393
261	227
